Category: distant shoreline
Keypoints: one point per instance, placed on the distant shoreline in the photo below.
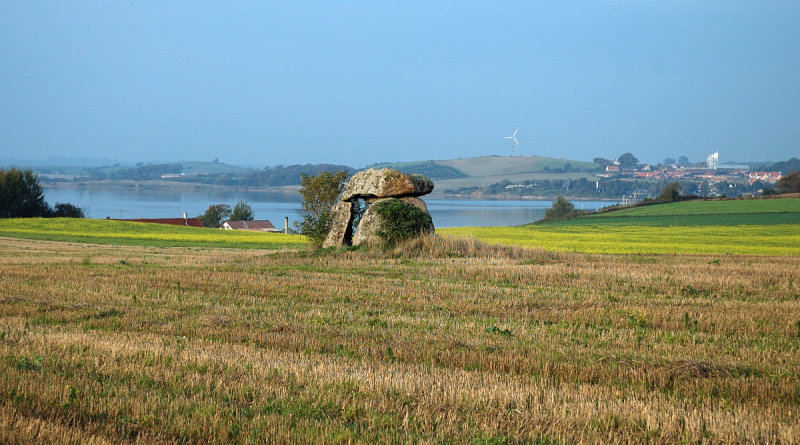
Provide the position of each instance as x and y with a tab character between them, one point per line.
510	197
109	184
115	184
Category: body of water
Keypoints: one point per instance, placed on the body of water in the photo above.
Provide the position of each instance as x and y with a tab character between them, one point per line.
165	203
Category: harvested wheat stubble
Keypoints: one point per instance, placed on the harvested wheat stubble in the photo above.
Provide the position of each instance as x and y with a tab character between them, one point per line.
453	341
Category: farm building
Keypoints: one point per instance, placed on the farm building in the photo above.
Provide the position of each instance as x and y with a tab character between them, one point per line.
191	222
255	226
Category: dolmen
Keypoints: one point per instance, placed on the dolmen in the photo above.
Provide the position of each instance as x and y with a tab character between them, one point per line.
373	186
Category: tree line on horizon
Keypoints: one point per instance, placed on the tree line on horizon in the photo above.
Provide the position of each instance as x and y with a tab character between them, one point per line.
275	176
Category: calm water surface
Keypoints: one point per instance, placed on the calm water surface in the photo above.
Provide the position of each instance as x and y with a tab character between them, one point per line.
127	204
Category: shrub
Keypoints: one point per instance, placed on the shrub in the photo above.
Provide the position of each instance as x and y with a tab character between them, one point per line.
561	209
242	212
215	214
319	195
67	210
21	195
670	193
789	183
401	221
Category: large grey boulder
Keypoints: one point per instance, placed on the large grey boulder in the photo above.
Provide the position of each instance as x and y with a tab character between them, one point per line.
385	183
341	228
370	224
373	186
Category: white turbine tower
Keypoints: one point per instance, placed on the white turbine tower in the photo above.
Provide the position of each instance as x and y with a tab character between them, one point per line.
514	140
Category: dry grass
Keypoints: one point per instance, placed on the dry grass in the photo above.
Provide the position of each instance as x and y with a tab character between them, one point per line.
430	246
438	340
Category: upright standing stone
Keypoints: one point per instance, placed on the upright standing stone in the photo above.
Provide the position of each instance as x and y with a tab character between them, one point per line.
367	230
341	231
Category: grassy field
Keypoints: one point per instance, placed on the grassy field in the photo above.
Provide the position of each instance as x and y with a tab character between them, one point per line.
488	166
701	213
454	343
142	234
712	207
751	227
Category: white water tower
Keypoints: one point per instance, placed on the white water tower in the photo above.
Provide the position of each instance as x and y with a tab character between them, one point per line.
712	161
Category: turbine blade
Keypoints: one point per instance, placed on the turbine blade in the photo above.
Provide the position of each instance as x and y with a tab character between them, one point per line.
515	140
515	131
507	137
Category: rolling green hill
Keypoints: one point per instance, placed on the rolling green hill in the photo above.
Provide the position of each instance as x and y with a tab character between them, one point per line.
699	213
210	168
486	170
511	165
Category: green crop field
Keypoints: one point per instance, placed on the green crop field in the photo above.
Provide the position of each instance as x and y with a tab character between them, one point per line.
753	227
699	213
701	207
142	234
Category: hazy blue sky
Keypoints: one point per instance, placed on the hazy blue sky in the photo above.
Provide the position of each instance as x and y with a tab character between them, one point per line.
356	83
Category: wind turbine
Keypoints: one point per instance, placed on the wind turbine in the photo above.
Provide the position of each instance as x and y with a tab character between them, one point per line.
514	140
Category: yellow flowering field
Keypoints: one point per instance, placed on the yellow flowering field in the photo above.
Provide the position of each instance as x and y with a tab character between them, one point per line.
145	234
781	239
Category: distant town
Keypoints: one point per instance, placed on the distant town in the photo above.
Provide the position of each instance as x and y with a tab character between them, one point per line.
628	180
710	171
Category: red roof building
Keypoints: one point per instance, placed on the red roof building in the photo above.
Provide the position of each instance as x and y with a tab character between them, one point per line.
191	222
254	225
658	174
769	177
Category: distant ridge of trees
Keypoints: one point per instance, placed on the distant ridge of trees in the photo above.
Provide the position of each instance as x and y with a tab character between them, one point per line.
138	173
152	171
791	165
276	176
289	175
428	168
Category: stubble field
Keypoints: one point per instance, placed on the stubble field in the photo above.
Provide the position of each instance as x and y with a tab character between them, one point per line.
461	343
